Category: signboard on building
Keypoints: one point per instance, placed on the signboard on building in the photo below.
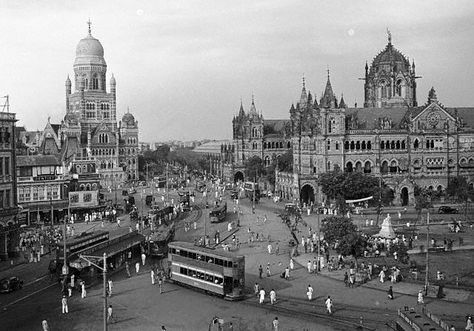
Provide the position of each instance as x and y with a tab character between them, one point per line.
83	199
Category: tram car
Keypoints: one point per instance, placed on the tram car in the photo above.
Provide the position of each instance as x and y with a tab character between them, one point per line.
215	272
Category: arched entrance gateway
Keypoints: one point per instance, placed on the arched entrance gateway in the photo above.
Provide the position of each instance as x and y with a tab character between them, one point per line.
307	194
238	176
404	196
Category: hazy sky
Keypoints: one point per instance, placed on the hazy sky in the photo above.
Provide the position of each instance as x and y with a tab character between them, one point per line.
183	66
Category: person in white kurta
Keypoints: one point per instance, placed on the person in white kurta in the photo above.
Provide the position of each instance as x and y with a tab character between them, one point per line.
309	293
382	276
152	275
272	296
261	296
83	290
143	258
137	267
328	304
420	298
292	264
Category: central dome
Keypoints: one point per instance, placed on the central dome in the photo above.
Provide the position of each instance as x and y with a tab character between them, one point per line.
89	50
390	56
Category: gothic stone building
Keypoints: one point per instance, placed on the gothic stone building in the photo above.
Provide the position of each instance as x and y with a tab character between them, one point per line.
392	137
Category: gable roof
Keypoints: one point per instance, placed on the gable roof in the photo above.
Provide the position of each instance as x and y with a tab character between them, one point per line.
368	117
37	160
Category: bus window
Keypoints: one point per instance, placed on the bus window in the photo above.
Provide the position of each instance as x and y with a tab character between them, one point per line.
210	261
183	253
236	264
183	271
219	262
196	256
192	255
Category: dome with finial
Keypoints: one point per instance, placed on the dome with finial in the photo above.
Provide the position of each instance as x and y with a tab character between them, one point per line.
89	50
390	59
128	118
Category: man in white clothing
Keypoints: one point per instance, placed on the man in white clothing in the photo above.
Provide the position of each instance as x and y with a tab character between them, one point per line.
309	293
143	258
262	296
328	304
64	305
137	267
152	275
83	290
272	296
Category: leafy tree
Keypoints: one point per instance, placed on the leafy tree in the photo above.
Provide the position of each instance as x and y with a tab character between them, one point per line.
459	188
336	227
401	249
285	161
422	200
254	167
270	174
352	244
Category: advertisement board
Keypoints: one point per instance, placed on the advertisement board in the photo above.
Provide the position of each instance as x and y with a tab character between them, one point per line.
83	199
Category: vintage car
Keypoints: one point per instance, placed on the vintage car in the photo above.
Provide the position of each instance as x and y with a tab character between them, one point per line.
11	284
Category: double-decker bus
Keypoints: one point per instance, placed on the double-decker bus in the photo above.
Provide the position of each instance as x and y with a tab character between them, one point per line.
218	213
252	191
216	272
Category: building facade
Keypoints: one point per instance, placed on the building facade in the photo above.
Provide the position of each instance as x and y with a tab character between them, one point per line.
8	203
392	136
89	128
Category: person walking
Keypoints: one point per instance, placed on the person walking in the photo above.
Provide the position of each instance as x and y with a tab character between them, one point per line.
110	286
309	265
45	325
110	314
292	264
469	325
287	273
260	271
421	300
152	275
272	296
309	292
268	270
277	249
261	296
390	293
137	267
346	279
64	305
329	305
269	248
382	276
143	258
256	289
127	269
275	324
72	280
69	291
83	290
160	284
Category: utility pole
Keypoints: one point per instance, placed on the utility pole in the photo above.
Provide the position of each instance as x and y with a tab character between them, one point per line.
51	206
89	259
167	188
253	195
427	249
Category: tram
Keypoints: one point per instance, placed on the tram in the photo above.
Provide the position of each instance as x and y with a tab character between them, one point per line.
216	272
218	213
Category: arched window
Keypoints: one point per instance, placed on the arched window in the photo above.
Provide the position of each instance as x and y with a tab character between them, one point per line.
384	89
387	144
358	167
281	144
397	145
403	144
346	145
352	145
369	145
382	145
384	167
392	145
349	167
363	144
398	88
288	145
367	167
393	166
416	144
267	161
95	82
273	144
358	145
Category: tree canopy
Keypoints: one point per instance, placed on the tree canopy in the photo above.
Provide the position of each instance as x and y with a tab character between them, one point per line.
352	244
254	167
336	227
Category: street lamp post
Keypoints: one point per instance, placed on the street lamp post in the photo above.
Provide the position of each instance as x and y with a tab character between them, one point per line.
89	259
427	254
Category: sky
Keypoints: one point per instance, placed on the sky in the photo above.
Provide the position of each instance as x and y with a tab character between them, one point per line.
183	66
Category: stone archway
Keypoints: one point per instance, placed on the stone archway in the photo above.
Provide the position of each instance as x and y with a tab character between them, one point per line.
404	196
238	176
307	194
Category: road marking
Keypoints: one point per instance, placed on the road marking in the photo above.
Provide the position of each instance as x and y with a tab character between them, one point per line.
27	296
36	280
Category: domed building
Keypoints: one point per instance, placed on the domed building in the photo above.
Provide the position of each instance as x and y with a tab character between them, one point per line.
89	129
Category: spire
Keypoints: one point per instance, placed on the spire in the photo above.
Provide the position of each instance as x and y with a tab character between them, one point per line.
328	98
366	69
304	96
253	109
89	23
310	98
342	103
128	110
389	36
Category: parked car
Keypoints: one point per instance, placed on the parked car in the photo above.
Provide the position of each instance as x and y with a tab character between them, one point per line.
11	284
447	210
